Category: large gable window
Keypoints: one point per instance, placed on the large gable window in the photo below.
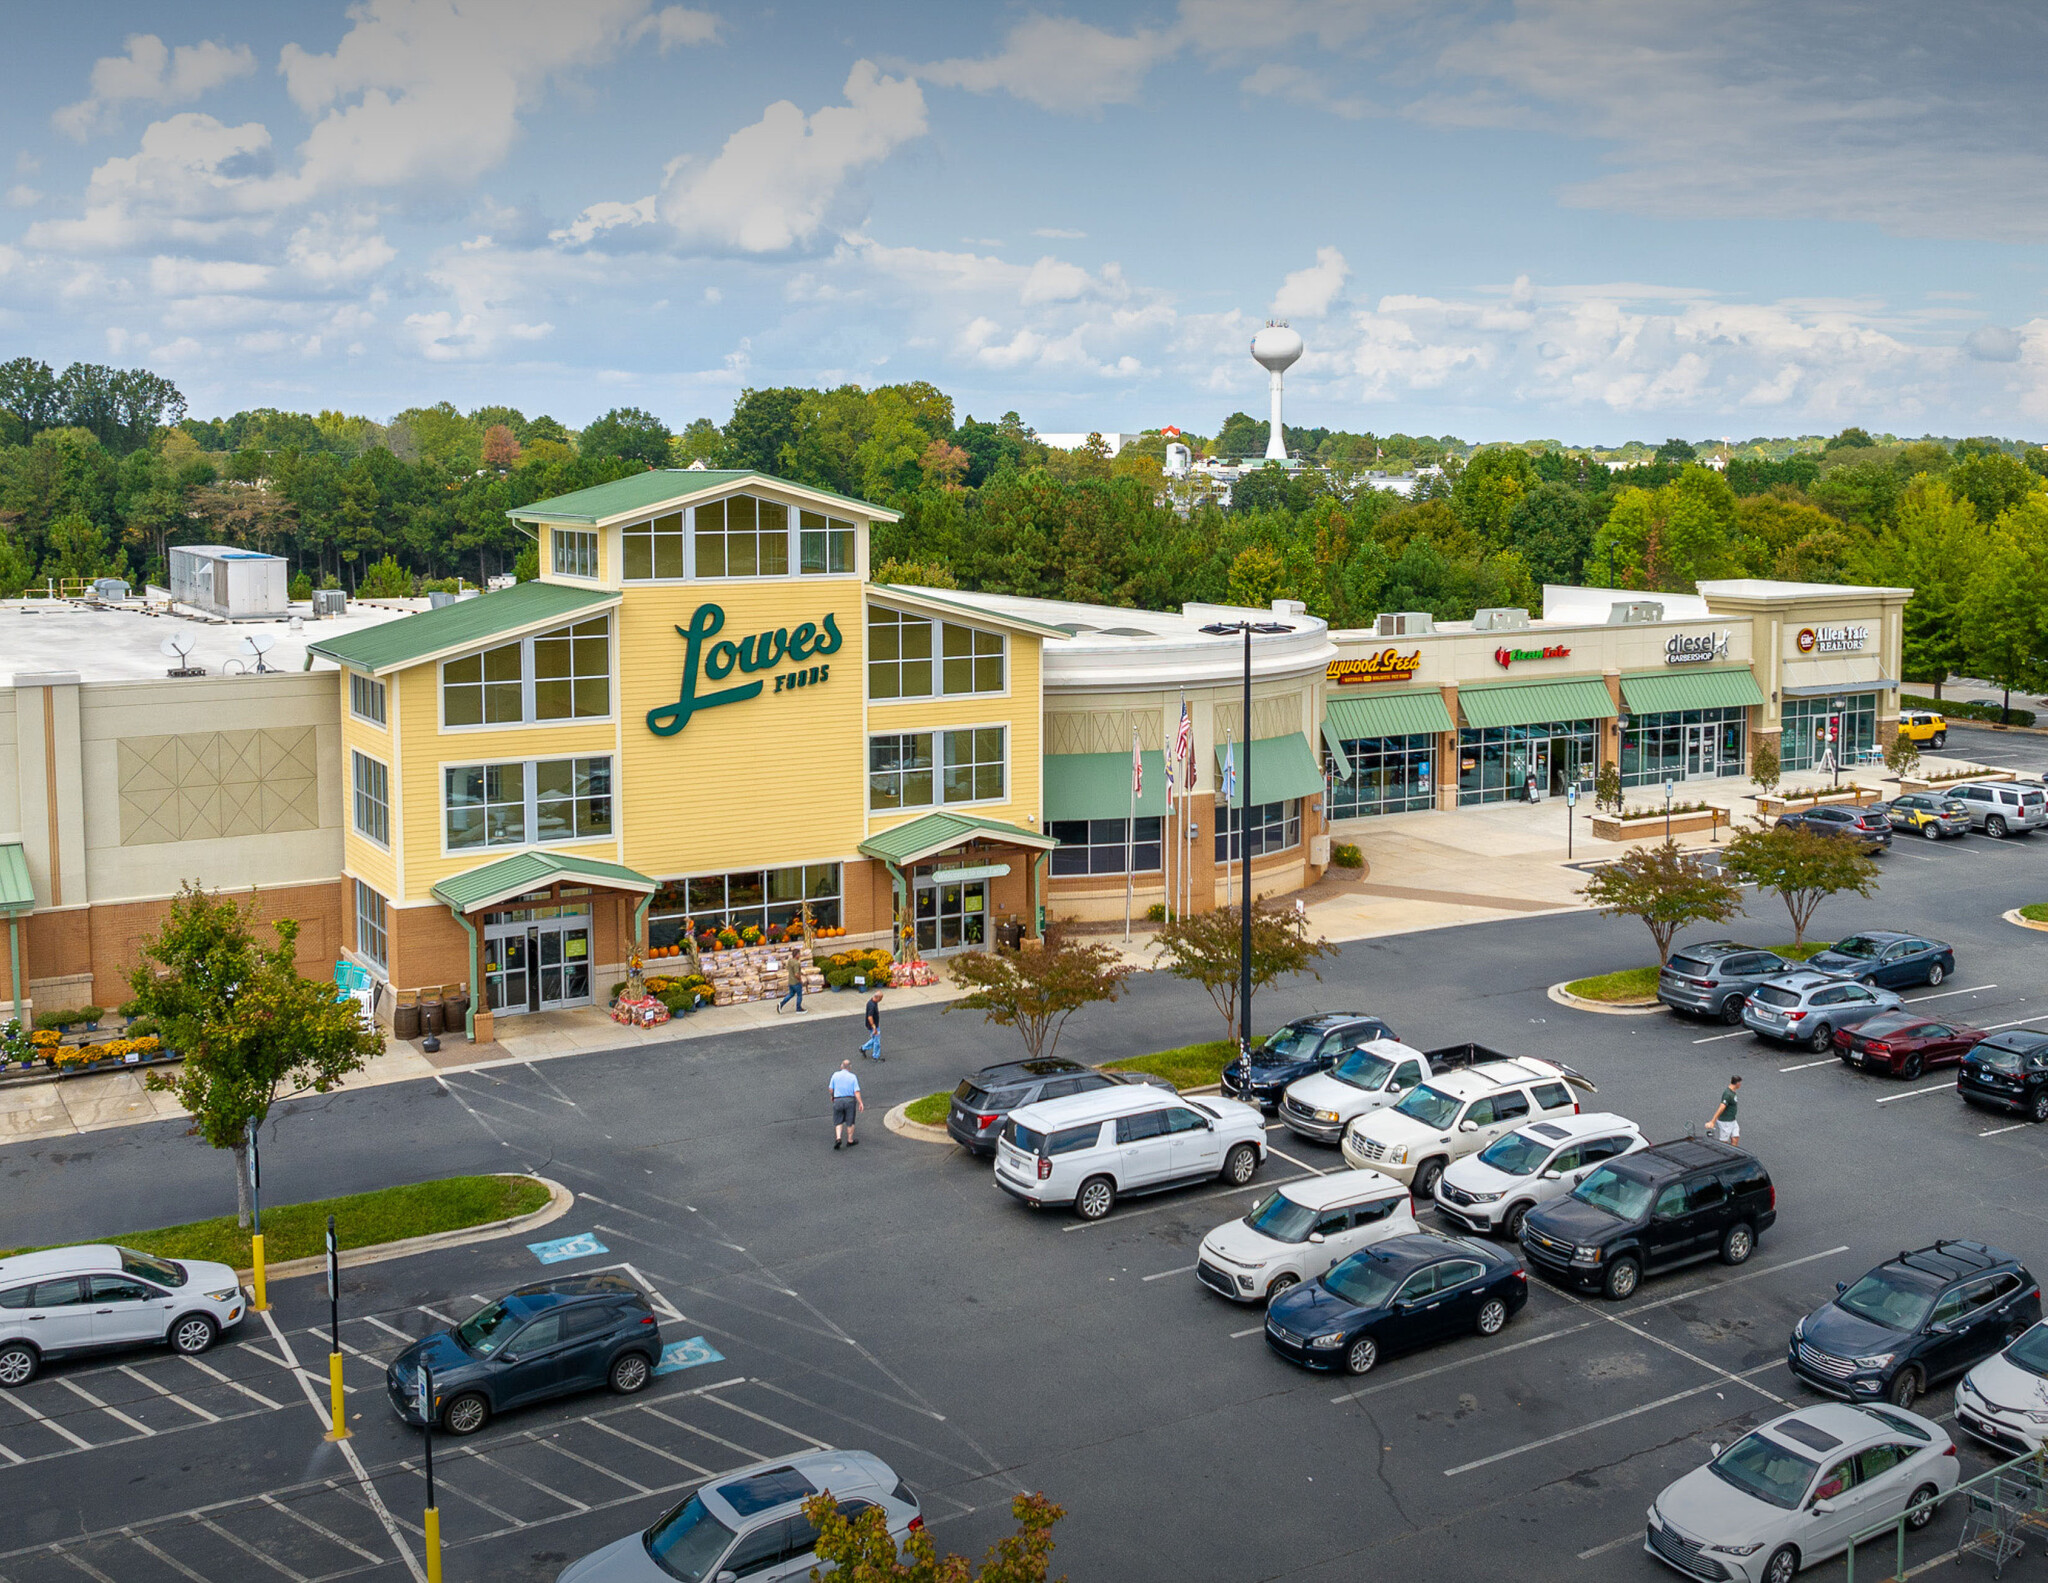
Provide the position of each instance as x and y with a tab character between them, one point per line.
563	674
484	689
654	549
902	648
743	537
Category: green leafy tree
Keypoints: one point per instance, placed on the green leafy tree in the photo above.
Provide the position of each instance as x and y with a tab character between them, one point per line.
1802	866
1551	528
385	579
1902	755
1489	488
251	1027
1205	948
1664	887
78	548
28	392
1037	989
1992	482
628	434
1764	767
1607	787
2005	614
861	1549
697	443
1931	550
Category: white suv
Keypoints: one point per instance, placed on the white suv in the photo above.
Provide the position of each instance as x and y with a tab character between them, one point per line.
68	1300
1090	1149
1376	1074
1300	1231
1456	1114
1493	1189
1997	808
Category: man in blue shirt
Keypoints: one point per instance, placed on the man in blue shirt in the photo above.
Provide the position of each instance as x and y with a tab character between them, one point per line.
846	1106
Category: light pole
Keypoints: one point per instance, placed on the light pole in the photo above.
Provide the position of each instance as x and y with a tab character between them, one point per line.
1835	737
1667	810
1244	803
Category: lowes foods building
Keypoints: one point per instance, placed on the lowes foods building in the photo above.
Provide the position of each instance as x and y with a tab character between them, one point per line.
704	711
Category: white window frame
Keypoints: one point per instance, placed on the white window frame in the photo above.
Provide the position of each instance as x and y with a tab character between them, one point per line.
527	679
939	799
375	799
939	628
530	800
647	528
582	544
373	921
361	688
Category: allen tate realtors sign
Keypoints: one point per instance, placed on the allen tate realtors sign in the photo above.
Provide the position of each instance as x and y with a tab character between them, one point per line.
1695	648
1832	640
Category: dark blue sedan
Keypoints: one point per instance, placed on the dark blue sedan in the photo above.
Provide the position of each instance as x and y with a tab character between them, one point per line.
1888	959
1301	1049
1395	1296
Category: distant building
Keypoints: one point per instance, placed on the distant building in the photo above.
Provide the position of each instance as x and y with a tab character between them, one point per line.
1074	442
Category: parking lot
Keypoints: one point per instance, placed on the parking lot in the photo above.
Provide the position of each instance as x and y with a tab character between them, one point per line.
891	1299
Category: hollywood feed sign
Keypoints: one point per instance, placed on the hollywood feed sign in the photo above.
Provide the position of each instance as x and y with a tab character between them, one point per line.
1389	665
1685	649
1832	640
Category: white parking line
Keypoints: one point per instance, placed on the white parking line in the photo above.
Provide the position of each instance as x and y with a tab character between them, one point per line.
1915	1093
1737	1280
321	1529
794	1434
248	1549
564	1451
531	1483
750	1455
14	1458
86	1567
46	1421
1975	989
1809	1065
620	1434
1319	1170
1602	1423
1239	1335
1462	1363
389	1330
191	1407
2017	1022
1716	1038
234	1385
1995	1131
176	1566
1635	1538
91	1400
1165	1274
1123	1215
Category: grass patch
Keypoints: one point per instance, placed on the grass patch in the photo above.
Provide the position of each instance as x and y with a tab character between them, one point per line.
361	1220
1190	1066
2035	912
1640	983
929	1111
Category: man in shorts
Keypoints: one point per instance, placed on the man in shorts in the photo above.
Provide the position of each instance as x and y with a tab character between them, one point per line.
1722	1124
846	1106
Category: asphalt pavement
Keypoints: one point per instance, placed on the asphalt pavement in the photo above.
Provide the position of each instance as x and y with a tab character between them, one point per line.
890	1298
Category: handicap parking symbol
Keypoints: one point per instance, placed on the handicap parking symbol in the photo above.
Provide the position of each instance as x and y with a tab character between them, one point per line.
577	1247
687	1355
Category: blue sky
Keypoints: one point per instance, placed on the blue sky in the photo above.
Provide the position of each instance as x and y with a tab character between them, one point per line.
1581	220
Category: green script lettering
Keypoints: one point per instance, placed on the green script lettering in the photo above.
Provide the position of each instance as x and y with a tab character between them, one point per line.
755	653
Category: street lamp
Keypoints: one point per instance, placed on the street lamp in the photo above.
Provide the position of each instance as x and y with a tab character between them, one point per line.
1835	743
1669	786
1224	629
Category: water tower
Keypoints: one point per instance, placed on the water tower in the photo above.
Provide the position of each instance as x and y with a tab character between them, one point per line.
1277	349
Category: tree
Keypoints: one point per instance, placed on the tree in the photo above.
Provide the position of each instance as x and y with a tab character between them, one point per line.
2005	616
861	1549
1489	488
627	433
1036	991
1676	451
501	447
1804	867
252	1029
1205	949
28	390
1930	550
1902	755
1763	764
385	579
1607	789
1664	887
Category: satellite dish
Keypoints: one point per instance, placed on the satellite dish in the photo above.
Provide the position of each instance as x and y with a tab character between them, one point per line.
176	648
259	644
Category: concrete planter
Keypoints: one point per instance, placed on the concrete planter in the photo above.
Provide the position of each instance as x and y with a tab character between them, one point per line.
1913	783
1778	805
1609	828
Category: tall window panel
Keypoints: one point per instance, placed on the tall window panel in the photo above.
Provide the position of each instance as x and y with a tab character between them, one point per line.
899	655
900	770
572	799
486	689
485	805
575	552
366	698
373	928
526	800
654	549
372	799
974	764
743	537
973	661
825	545
572	672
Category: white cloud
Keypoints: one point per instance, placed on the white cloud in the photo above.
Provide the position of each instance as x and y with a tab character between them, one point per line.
778	185
679	25
599	218
1993	343
192	180
1057	63
194	277
1308	293
151	74
1055	233
1277	79
338	251
23	196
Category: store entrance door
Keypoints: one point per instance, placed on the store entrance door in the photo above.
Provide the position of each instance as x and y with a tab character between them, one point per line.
951	915
542	965
1701	748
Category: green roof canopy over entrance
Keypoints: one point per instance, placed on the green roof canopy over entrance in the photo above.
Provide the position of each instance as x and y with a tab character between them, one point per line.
1704	687
465	624
935	832
525	871
1098	786
17	890
1410	711
1281	768
1485	704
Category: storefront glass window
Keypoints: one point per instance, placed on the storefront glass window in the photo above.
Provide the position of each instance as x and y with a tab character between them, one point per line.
654	549
1496	764
1688	744
743	537
1388	775
900	770
750	897
1805	738
1096	846
373	933
1269	827
573	798
902	773
486	805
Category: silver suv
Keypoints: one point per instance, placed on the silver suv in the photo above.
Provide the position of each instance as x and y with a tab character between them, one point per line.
1807	1007
1997	807
1714	979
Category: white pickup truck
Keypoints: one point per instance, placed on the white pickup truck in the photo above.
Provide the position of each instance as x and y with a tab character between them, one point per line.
1376	1074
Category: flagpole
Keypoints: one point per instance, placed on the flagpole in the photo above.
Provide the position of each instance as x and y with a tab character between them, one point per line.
1130	833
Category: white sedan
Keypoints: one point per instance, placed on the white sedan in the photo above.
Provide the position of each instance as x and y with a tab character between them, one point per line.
2003	1401
1795	1490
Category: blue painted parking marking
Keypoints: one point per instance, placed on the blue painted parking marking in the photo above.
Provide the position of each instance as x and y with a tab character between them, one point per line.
577	1247
687	1355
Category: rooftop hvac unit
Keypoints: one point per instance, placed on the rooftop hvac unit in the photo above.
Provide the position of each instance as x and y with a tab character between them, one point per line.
1500	618
109	590
1404	624
330	602
221	581
438	598
1635	613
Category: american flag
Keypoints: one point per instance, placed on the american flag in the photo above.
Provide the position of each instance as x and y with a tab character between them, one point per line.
1137	768
1184	746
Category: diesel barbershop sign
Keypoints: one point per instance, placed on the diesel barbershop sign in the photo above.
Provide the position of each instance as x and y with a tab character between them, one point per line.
1696	648
760	651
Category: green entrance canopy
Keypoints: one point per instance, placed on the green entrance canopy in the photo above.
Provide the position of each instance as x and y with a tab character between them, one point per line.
1409	711
525	871
937	832
17	891
1486	704
1098	786
1682	687
1281	768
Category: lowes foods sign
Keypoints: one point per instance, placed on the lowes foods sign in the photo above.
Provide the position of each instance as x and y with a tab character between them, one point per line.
1695	649
1832	640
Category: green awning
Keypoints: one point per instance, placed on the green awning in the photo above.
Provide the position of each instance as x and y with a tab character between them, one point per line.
1280	768
1407	711
466	624
1690	687
1098	786
1340	761
937	832
1485	704
490	883
17	890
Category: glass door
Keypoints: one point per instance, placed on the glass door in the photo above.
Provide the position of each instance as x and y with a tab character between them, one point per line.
506	962
1700	749
950	916
563	961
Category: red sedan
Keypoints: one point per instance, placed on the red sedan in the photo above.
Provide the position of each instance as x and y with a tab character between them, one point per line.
1902	1044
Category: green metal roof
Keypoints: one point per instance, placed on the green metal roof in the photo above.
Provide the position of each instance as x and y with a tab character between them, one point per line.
525	871
1278	768
668	486
1690	687
17	890
1404	712
1098	786
964	603
1485	704
467	623
934	832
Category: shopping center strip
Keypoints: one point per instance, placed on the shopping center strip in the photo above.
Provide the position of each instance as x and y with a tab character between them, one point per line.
704	714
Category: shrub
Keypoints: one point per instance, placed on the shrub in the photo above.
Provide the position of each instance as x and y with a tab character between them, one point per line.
65	1019
842	968
384	579
1344	854
1965	709
1156	913
300	589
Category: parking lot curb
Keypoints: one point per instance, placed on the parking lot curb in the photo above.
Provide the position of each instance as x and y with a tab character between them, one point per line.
1565	997
897	1122
2012	915
560	1201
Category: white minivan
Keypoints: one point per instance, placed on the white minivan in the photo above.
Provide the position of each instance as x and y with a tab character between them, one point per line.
69	1300
1089	1150
1301	1230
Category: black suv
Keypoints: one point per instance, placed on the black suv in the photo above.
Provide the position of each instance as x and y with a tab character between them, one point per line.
1665	1206
1913	1320
2009	1070
1305	1046
981	1102
572	1333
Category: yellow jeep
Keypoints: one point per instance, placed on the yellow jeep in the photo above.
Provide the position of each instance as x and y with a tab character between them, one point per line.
1924	726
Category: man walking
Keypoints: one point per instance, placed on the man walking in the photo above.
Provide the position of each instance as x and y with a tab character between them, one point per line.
796	985
873	1047
1722	1123
846	1106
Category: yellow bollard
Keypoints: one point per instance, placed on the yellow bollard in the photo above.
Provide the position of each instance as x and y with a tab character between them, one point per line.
433	1544
259	1302
340	1429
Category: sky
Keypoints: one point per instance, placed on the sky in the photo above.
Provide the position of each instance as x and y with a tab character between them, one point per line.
1585	220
